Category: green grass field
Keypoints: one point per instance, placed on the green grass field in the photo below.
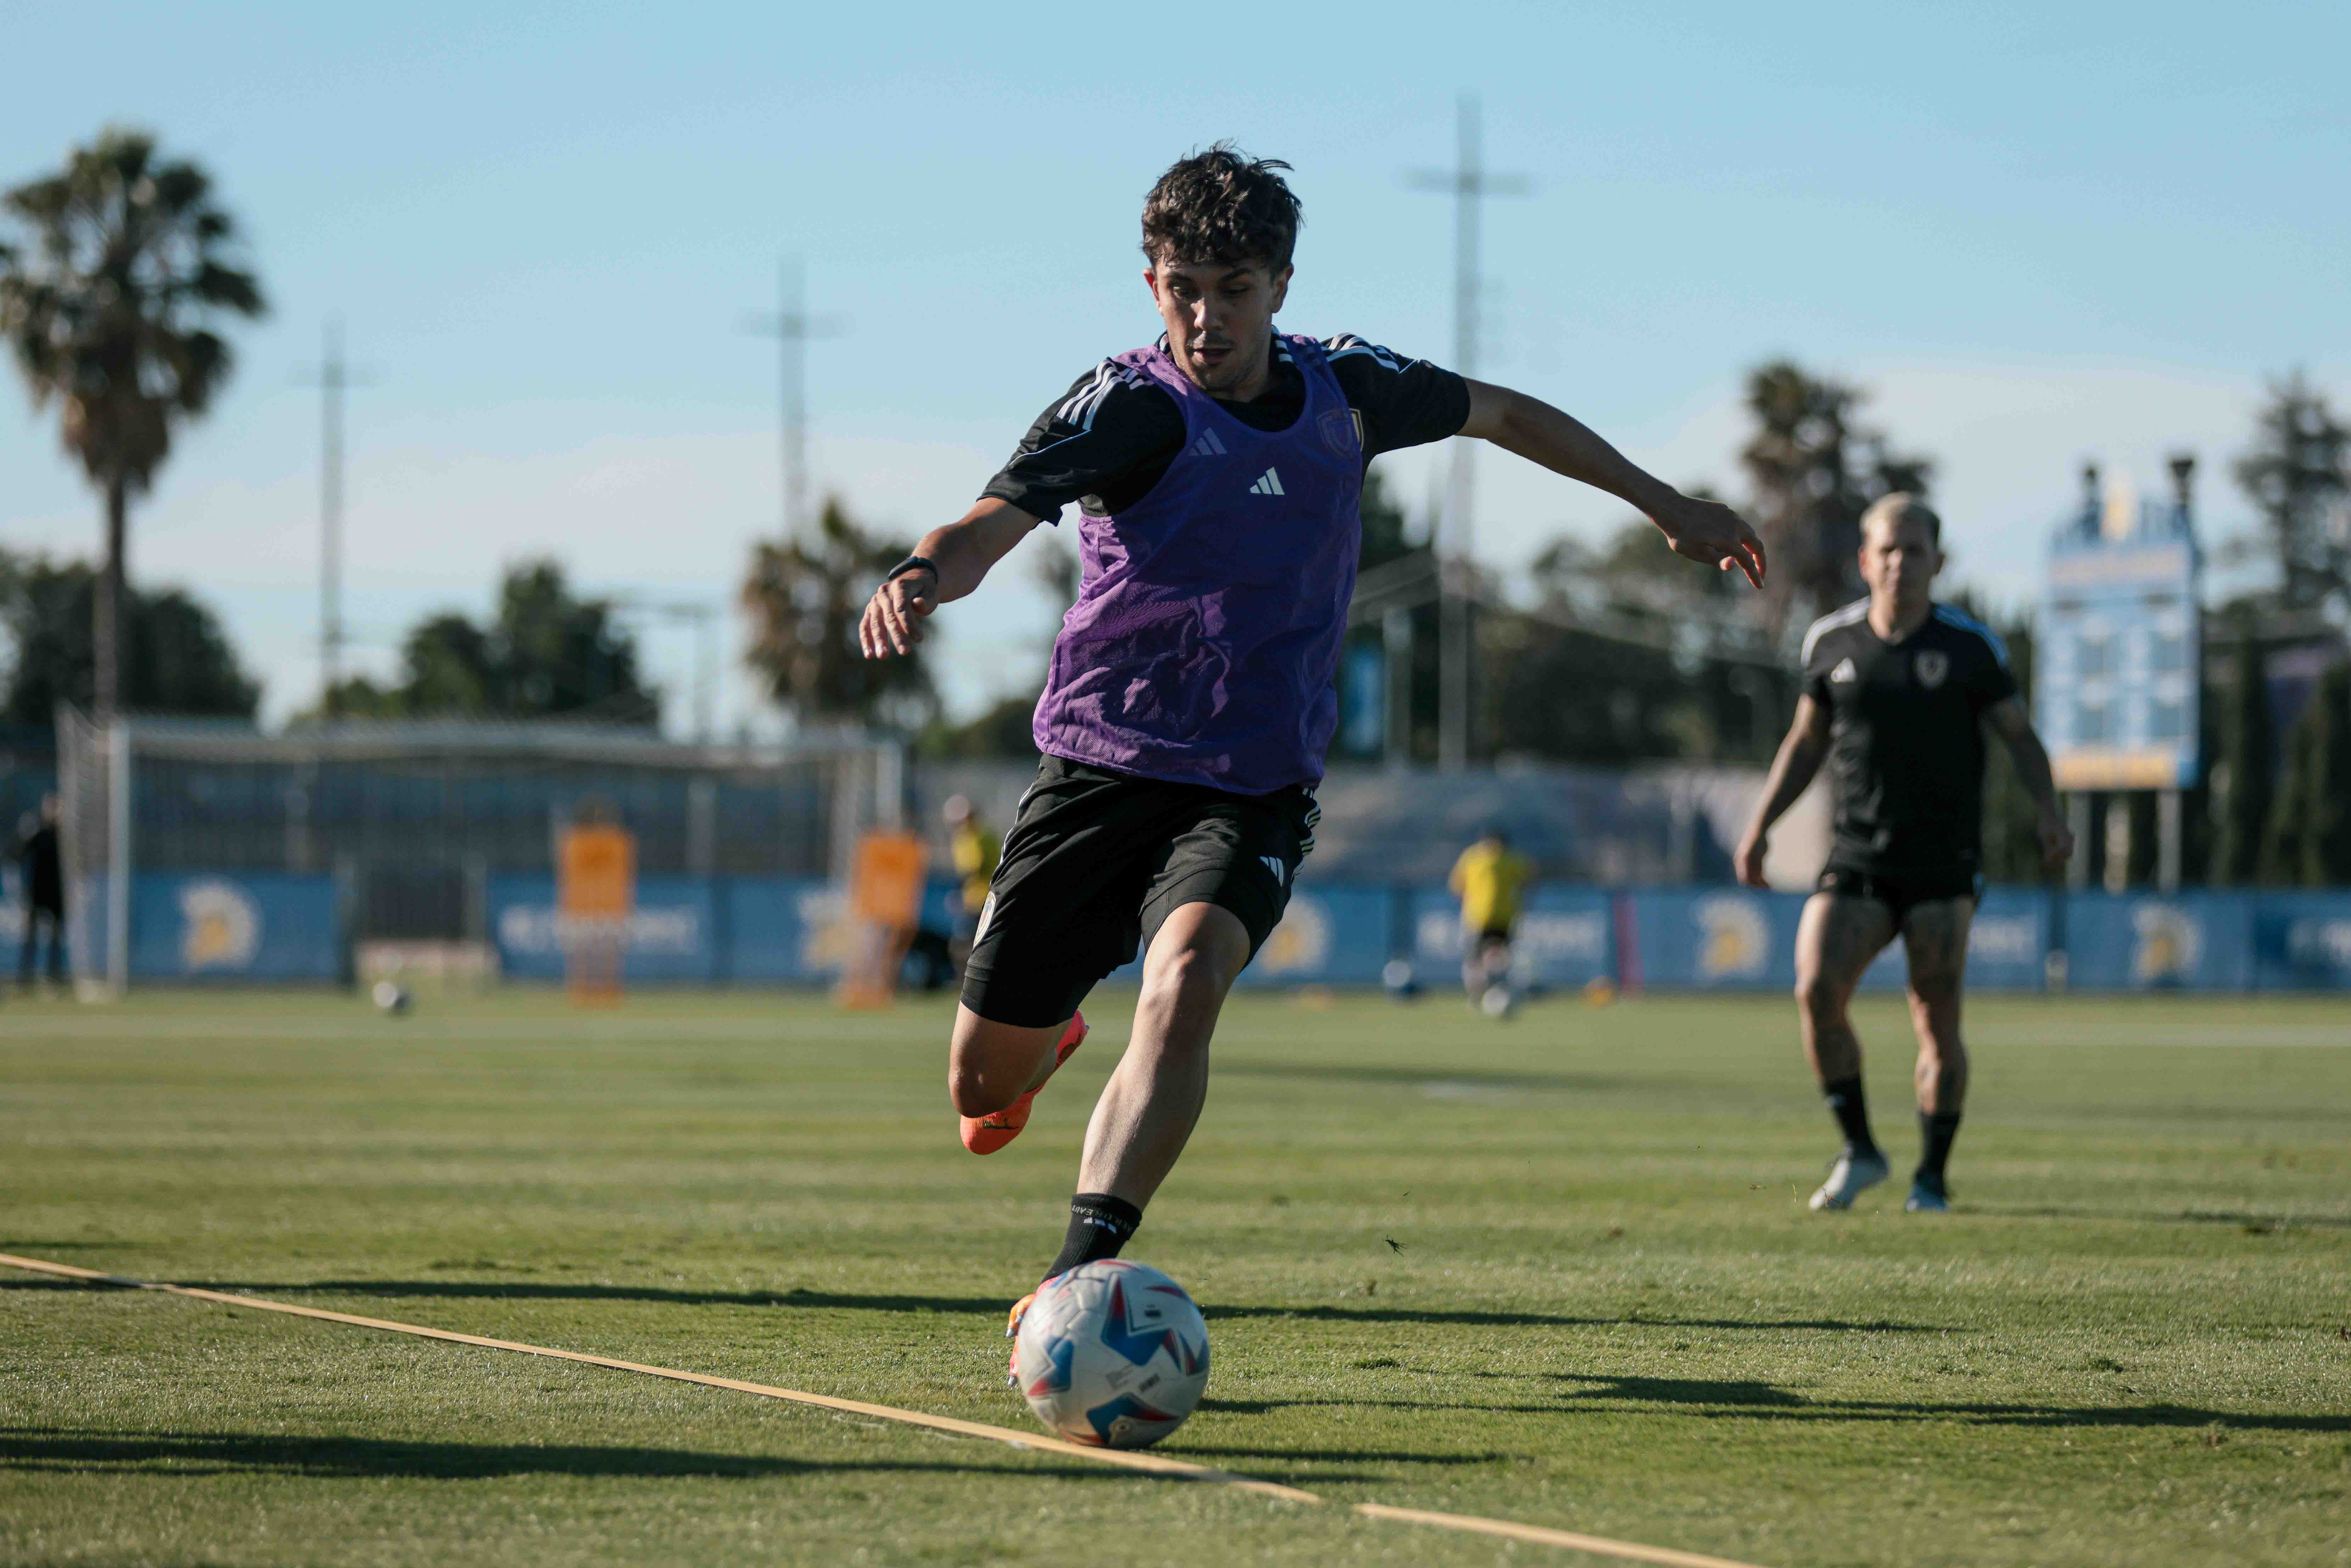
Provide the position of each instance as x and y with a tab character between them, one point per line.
1604	1308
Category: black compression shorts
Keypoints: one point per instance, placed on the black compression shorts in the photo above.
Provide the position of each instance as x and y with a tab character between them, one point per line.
1097	861
1900	891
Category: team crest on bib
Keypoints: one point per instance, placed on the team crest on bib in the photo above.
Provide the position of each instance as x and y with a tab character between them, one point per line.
1341	430
1932	665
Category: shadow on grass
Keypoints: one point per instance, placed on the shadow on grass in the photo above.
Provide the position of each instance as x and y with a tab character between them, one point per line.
1419	1077
1474	1319
978	1306
1329	1456
221	1453
34	1248
2259	1224
1763	1401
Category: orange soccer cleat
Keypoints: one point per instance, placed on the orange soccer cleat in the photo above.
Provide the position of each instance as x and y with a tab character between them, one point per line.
986	1134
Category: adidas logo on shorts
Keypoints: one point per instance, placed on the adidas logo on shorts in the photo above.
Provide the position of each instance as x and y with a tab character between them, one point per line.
1274	864
1844	674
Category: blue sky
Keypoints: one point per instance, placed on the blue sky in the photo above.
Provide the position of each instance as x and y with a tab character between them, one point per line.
2038	234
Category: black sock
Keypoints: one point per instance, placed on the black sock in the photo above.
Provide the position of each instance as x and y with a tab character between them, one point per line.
1851	1113
1098	1226
1935	1132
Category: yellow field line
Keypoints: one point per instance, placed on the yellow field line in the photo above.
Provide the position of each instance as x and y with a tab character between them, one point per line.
1127	1459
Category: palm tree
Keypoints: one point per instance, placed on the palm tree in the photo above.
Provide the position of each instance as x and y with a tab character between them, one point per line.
108	307
803	601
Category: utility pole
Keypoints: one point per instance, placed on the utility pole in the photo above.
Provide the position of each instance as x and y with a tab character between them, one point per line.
334	378
704	619
793	327
1469	185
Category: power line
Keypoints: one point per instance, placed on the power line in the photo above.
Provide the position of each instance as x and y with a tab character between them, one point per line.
334	378
794	328
1469	185
704	619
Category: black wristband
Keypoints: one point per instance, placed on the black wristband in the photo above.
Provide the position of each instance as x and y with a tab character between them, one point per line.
913	563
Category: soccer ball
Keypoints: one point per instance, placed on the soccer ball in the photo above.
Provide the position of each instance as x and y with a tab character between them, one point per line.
1111	1355
390	997
1498	1002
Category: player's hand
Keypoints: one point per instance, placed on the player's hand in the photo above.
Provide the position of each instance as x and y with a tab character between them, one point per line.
1711	532
1749	859
893	621
2056	840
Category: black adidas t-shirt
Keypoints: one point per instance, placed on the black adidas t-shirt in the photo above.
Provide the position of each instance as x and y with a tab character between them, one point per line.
1906	738
1111	437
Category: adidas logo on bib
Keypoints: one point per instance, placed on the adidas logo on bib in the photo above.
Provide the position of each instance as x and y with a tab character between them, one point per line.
1208	446
1268	485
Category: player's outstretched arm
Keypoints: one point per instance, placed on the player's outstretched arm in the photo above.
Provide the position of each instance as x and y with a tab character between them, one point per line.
960	555
1701	530
1798	758
2014	726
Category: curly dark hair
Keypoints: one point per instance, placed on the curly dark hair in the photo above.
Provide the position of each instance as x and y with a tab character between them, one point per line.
1221	206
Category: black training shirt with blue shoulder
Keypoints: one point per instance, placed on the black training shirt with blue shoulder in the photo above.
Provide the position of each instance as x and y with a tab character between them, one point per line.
1103	444
1906	737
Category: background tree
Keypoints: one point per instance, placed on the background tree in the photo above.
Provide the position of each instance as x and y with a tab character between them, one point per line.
176	658
803	602
1387	532
110	306
1812	469
1629	656
544	654
2243	754
2308	841
2297	474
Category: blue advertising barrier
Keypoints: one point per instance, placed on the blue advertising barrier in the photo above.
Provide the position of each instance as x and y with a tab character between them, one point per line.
233	926
1721	939
2147	941
1742	939
1329	935
672	932
1565	938
786	930
2302	941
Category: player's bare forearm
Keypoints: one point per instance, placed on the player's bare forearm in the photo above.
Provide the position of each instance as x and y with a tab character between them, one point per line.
2014	727
1796	764
2016	731
967	549
1701	530
1798	761
961	554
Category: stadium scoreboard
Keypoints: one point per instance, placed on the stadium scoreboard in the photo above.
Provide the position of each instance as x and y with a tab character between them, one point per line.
2119	642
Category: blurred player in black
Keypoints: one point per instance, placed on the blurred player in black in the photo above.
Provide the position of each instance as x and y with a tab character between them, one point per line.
45	893
1897	691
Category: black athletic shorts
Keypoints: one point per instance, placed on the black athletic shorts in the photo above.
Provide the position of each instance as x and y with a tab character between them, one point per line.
1498	932
1097	861
1899	891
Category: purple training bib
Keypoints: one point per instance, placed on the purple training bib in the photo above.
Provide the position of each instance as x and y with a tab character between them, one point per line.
1204	644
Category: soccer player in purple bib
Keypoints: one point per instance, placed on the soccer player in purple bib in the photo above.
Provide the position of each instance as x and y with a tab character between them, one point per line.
1190	697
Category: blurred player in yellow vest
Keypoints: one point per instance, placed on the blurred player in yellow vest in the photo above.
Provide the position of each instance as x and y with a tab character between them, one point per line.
974	851
1490	879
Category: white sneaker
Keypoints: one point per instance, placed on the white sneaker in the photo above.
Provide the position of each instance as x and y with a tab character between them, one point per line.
1848	1178
1927	1196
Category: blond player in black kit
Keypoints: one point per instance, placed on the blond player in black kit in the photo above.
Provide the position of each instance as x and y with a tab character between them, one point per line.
1897	693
